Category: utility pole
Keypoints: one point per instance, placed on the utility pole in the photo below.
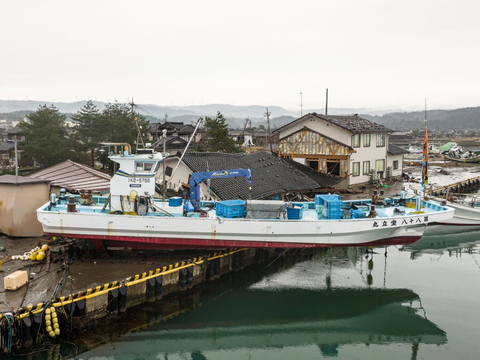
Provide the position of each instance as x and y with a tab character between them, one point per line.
267	114
16	157
301	104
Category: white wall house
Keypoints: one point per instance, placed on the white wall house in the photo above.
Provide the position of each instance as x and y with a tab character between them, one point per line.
395	160
349	146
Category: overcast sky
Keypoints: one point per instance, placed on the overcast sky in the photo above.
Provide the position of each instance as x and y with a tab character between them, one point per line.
377	54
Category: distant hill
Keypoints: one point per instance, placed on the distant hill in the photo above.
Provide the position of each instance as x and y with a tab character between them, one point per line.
465	118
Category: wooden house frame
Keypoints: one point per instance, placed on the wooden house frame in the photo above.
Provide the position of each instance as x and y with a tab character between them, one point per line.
327	153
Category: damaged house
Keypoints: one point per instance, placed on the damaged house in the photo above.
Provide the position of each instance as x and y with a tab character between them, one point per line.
348	146
273	177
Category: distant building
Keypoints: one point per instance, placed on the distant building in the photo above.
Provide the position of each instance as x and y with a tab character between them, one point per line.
178	135
7	148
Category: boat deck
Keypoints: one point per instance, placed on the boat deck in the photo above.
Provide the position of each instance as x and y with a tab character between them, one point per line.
309	212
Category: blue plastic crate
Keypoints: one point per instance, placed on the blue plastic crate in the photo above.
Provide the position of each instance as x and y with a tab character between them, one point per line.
335	214
175	201
295	212
231	208
334	205
329	201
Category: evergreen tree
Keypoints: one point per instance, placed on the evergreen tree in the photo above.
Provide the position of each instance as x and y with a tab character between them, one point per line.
216	131
46	137
120	124
90	130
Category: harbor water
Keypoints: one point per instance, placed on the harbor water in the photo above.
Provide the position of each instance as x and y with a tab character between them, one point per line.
416	302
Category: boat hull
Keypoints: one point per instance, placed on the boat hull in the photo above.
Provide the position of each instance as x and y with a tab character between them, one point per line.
180	232
475	159
465	219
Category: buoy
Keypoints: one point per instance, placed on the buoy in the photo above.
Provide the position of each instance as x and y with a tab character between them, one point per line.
49	329
47	317
45	247
33	257
57	331
40	256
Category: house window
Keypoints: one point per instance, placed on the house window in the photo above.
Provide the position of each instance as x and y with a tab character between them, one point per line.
168	171
356	169
395	164
381	140
366	140
356	140
380	165
144	166
366	167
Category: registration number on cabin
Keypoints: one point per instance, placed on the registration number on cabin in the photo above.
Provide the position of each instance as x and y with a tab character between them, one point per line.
139	180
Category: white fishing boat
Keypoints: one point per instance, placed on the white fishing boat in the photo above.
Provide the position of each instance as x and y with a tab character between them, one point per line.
131	217
466	216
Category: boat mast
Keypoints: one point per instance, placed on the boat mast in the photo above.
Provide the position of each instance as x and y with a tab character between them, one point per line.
199	121
425	158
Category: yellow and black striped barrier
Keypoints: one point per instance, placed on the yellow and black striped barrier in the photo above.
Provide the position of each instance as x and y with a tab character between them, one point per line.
130	281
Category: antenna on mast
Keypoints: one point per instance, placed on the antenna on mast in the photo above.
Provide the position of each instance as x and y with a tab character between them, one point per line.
425	112
326	104
139	133
301	104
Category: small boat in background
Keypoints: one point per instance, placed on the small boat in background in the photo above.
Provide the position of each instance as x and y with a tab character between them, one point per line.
454	152
468	157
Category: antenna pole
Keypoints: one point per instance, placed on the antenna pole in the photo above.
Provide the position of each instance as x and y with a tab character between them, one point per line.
301	104
326	104
139	133
267	114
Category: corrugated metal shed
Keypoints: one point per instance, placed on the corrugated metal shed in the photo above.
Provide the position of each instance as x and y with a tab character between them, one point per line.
75	177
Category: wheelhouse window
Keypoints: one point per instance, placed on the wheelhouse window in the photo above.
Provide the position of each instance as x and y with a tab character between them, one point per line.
356	169
395	164
356	140
366	140
366	167
144	166
381	140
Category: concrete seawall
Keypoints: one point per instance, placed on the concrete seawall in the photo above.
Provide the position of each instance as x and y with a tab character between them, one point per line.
34	325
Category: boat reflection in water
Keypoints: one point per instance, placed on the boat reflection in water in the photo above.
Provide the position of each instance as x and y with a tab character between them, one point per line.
463	242
325	302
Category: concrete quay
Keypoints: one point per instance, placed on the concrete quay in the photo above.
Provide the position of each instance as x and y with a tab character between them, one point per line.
80	286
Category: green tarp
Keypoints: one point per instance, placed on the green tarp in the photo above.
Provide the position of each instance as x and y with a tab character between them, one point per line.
447	146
